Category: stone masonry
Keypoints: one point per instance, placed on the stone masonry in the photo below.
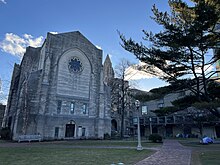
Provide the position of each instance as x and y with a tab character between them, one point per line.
58	90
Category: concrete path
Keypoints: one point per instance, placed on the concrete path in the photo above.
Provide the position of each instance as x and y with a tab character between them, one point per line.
171	153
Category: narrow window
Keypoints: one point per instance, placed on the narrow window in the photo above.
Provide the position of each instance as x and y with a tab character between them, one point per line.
56	132
59	105
84	107
72	107
83	131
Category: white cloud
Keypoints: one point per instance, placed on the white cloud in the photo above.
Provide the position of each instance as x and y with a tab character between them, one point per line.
3	1
142	71
133	74
3	101
3	98
208	68
16	45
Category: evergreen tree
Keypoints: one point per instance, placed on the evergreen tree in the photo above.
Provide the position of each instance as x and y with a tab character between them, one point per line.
180	53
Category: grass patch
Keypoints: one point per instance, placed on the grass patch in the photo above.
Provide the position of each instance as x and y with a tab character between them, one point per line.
107	143
68	152
195	159
210	157
79	156
203	154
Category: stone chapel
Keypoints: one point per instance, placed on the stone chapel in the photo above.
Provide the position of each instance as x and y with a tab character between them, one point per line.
59	90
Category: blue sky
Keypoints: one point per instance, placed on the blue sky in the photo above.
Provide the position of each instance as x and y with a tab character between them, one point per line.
26	22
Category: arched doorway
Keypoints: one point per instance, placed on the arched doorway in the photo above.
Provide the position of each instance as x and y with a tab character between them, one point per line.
114	125
70	129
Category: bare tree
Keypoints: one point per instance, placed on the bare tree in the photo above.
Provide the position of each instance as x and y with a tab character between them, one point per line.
121	100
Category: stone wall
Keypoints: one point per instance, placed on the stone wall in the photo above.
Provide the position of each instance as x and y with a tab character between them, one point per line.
51	98
2	111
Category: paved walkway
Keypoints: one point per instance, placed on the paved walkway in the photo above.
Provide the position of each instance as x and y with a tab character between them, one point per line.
172	152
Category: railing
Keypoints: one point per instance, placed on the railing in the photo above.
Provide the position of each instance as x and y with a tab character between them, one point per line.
164	120
174	119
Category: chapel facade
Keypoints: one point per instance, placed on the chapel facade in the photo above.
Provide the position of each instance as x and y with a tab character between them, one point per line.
59	90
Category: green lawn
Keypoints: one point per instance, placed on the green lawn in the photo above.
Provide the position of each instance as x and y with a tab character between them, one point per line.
203	154
210	157
107	143
57	153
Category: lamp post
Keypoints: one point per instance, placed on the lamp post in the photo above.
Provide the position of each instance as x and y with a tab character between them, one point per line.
137	105
150	125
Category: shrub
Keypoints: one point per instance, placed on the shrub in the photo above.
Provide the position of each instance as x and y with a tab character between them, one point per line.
107	136
155	138
115	135
5	133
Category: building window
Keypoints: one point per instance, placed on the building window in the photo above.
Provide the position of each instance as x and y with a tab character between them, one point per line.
75	65
56	132
84	108
162	120
135	120
154	120
144	110
59	105
83	131
72	107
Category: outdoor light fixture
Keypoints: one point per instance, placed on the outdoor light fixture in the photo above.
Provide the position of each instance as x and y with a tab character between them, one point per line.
137	104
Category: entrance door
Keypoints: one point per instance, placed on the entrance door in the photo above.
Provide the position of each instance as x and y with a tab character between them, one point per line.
114	125
70	130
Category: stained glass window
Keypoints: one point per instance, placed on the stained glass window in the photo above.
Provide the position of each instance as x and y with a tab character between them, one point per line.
75	65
